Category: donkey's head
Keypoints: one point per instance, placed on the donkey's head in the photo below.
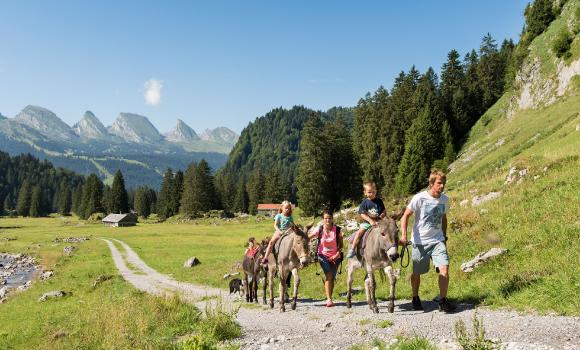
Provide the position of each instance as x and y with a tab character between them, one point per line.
390	233
300	244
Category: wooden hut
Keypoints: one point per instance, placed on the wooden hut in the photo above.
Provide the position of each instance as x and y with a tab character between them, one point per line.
120	220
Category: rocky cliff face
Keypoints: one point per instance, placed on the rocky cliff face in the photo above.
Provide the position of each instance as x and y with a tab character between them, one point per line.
181	133
90	127
135	128
45	122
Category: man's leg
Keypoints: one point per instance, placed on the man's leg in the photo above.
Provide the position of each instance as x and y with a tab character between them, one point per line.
415	283
443	280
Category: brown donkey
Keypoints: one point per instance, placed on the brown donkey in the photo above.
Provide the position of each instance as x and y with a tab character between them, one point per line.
292	255
380	252
253	270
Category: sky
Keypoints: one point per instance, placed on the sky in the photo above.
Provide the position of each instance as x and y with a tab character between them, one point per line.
225	63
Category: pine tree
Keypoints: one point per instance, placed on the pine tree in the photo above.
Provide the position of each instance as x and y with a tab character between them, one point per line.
92	197
187	206
311	178
255	190
64	199
165	200
454	95
241	199
119	197
538	16
36	207
144	201
8	205
77	198
490	72
24	197
177	190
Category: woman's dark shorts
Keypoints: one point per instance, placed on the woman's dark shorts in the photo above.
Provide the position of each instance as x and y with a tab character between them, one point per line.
327	266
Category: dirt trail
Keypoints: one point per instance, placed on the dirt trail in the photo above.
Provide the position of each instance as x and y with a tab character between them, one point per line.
312	324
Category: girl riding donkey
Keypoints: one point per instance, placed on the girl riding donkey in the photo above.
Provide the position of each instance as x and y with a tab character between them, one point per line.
282	222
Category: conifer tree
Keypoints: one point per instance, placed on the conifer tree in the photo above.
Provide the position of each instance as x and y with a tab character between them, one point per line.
144	201
490	72
92	196
311	178
241	199
119	197
36	202
454	95
187	206
24	197
8	205
77	195
255	191
177	190
64	199
165	200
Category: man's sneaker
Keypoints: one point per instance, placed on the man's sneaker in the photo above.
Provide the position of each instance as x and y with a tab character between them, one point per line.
350	254
446	306
417	306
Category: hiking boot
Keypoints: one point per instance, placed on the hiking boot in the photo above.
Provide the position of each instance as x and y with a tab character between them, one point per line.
350	254
417	306
446	306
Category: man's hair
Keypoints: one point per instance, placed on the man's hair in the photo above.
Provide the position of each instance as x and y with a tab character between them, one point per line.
370	184
436	173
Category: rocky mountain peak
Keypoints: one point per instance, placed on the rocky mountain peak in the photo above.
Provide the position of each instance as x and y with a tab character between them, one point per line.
135	128
45	122
181	133
220	135
90	127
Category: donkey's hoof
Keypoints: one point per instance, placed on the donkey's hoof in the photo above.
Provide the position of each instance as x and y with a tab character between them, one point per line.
293	305
282	309
391	308
376	310
348	305
271	305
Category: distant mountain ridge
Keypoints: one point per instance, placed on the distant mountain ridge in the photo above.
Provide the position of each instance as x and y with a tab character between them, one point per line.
131	143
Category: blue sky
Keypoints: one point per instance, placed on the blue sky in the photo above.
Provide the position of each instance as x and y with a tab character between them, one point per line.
224	63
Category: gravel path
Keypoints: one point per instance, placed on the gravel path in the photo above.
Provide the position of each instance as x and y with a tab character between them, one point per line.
312	324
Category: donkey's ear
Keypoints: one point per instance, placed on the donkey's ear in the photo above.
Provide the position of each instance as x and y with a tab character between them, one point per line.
397	214
309	226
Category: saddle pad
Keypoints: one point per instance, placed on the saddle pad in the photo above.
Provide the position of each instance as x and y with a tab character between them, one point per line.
279	241
252	252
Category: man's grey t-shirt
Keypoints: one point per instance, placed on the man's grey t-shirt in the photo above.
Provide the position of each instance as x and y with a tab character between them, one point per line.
428	212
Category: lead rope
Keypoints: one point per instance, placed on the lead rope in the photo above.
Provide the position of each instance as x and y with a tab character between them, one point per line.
403	249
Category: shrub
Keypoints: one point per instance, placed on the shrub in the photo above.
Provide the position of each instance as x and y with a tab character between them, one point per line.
562	44
219	323
475	341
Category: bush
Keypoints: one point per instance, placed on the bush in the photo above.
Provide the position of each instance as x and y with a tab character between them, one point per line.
475	341
219	323
562	44
96	217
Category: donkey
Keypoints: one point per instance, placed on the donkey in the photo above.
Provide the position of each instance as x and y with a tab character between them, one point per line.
252	273
292	255
380	252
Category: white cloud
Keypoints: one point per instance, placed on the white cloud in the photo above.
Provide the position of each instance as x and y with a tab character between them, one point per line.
153	92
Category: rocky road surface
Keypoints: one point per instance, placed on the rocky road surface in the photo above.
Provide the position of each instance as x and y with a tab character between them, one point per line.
313	325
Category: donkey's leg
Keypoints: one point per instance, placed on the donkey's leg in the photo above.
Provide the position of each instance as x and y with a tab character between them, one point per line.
392	281
372	288
247	287
349	274
283	288
271	272
264	289
296	285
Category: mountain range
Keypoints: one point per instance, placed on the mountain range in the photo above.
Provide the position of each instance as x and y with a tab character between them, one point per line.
131	144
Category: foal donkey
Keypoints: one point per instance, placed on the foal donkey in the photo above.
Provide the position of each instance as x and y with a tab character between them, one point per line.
292	255
252	273
380	252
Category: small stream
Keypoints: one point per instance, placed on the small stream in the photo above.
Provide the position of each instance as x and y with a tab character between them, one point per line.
16	270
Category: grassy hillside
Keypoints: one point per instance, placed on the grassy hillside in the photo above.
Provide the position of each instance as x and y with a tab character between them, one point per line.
536	216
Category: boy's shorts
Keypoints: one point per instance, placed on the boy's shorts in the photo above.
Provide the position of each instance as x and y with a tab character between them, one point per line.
365	225
422	253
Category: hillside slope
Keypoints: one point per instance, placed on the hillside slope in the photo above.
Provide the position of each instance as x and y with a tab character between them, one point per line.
525	149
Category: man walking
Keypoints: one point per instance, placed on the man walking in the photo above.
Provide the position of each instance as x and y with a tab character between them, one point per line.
429	235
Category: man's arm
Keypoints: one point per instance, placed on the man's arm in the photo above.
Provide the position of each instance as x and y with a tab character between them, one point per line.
404	222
